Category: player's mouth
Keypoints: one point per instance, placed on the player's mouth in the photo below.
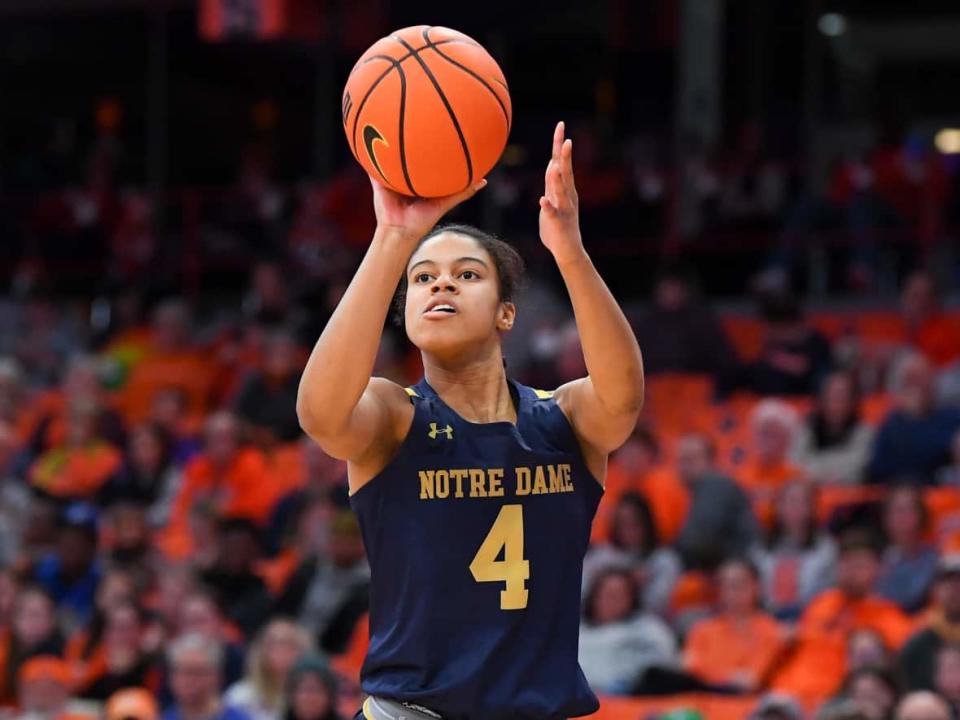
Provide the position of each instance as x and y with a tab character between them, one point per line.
439	309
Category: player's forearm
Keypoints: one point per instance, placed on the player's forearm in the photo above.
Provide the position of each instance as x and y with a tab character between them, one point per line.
340	366
610	348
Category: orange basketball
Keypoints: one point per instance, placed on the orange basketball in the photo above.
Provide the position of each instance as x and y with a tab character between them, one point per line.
427	111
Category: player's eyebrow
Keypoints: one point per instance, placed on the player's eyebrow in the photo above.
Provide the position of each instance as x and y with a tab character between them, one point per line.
466	258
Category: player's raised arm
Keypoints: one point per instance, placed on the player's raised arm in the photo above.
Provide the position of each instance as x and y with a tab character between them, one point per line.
338	403
603	406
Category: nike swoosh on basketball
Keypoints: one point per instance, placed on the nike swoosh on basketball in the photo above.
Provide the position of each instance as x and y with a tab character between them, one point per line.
370	136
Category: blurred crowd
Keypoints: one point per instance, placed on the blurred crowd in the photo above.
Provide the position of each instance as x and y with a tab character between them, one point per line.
783	525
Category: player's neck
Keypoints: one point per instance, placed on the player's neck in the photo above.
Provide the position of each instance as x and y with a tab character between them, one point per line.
477	391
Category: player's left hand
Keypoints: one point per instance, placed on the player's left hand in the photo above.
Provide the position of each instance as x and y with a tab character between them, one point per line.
559	208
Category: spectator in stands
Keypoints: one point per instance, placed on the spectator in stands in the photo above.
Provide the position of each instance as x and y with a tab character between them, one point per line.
741	645
834	443
797	560
947	676
8	598
636	468
267	400
273	654
917	659
228	476
72	571
795	357
679	333
776	706
321	475
934	333
915	437
172	361
77	468
47	420
149	476
131	704
14	498
720	522
199	615
44	684
328	591
618	641
814	670
773	428
33	632
238	590
867	649
132	548
634	546
923	705
311	691
169	411
124	660
116	589
909	562
195	663
874	691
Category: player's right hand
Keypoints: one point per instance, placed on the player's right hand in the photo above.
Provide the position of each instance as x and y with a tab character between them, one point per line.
414	217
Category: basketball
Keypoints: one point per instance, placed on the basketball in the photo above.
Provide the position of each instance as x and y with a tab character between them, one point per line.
427	111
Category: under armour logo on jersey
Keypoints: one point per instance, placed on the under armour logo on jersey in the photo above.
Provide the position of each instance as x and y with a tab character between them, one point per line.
434	431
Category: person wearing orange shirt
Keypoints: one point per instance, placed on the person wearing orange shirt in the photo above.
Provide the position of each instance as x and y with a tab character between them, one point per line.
928	328
171	361
741	644
774	427
82	464
636	468
820	660
232	479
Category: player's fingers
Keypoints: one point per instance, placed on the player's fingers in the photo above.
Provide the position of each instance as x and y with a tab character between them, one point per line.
549	183
560	196
557	142
566	168
547	207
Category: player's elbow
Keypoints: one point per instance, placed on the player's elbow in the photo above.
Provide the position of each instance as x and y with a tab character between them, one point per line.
310	420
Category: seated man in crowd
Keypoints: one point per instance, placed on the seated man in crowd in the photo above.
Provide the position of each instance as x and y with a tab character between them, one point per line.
942	627
819	662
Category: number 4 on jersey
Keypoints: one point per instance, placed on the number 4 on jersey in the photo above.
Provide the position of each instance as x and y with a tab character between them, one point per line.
507	535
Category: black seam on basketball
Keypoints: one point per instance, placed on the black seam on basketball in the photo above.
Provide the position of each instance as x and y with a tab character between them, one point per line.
394	65
433	46
403	151
411	54
446	104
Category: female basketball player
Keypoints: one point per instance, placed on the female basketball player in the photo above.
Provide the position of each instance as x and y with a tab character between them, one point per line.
474	493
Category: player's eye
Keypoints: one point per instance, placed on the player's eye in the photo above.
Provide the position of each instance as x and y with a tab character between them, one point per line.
422	277
469	275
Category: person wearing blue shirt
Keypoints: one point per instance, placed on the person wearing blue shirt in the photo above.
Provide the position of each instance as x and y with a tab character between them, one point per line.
71	573
914	439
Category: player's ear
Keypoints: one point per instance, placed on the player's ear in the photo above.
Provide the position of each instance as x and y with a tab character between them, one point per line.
507	315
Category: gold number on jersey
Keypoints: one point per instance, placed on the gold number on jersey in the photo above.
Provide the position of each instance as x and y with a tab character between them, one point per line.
506	534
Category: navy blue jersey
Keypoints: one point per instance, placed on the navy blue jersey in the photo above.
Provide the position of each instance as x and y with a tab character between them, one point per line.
476	535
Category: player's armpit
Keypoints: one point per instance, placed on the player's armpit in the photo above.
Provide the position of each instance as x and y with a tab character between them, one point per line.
592	422
375	421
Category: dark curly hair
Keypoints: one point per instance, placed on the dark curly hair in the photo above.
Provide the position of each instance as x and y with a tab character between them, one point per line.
507	261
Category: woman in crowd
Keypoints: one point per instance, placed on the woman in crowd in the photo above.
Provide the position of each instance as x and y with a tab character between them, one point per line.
834	444
909	561
797	560
741	644
311	691
278	647
618	641
634	546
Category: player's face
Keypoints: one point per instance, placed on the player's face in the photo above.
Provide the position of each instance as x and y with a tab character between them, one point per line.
453	301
